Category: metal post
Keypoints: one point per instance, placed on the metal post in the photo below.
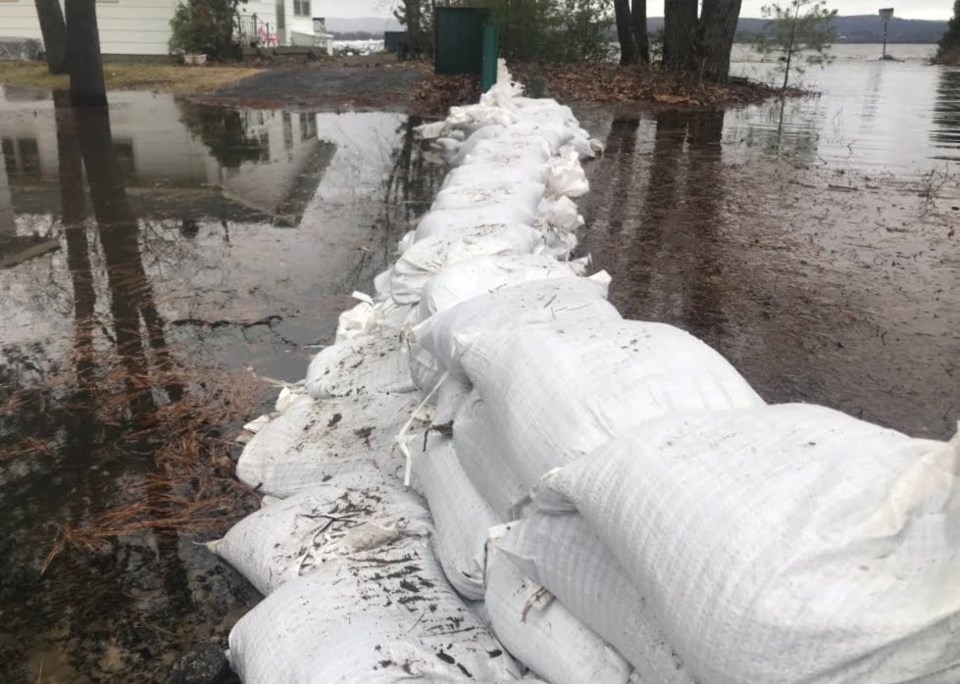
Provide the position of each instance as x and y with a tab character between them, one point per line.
886	14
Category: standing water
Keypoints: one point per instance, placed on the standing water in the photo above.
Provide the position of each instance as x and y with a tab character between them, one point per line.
163	265
814	242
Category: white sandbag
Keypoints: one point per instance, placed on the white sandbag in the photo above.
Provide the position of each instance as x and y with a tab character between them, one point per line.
566	178
414	269
534	152
361	365
542	634
482	191
290	396
557	391
369	316
786	544
516	307
459	282
475	138
517	173
525	304
560	215
356	511
378	616
554	134
461	515
450	223
561	553
312	443
432	130
485	460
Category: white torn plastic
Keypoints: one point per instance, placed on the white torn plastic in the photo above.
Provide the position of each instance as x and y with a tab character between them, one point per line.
368	316
357	511
543	634
788	543
461	515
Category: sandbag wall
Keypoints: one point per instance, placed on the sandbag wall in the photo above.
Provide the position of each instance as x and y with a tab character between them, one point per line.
491	475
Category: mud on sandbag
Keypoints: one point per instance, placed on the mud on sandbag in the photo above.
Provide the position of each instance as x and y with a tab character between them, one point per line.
315	441
292	537
787	543
375	363
380	615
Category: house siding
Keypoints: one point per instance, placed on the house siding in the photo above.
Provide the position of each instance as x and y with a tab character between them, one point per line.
127	27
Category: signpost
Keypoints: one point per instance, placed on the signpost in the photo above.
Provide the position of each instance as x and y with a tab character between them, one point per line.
886	15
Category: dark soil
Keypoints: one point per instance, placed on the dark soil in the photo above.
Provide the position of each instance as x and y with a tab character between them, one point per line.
322	86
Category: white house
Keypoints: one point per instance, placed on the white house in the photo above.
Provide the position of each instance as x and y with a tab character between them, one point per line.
142	27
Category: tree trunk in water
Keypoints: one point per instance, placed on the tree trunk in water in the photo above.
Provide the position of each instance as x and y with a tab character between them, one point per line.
680	34
87	88
638	14
628	51
54	31
718	26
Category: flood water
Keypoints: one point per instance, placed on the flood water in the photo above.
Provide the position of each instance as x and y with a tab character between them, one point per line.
161	265
815	243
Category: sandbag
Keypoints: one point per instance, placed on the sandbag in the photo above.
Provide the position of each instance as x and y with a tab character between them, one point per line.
313	442
449	223
556	391
415	267
461	515
542	634
361	365
562	554
378	616
785	544
369	316
516	307
476	137
481	275
485	460
359	510
481	190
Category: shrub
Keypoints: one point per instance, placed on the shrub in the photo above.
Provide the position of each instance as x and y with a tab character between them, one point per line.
205	26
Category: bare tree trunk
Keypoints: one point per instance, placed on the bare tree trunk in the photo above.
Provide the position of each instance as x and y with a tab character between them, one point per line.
718	27
87	88
628	50
54	31
680	34
638	14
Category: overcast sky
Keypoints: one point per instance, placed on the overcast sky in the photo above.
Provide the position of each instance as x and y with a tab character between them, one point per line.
908	9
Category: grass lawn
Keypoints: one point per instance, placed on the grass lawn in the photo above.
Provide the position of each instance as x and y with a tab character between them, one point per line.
133	76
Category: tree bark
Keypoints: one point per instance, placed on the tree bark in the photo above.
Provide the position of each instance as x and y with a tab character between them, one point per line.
638	15
680	34
87	88
718	27
628	50
54	31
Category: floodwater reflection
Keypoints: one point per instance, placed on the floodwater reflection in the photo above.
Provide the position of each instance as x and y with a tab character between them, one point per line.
178	274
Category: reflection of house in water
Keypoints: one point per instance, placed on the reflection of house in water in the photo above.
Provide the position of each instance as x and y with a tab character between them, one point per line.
180	160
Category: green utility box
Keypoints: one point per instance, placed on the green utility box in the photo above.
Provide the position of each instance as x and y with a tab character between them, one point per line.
466	42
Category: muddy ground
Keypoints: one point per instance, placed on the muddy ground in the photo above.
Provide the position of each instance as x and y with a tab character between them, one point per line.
820	284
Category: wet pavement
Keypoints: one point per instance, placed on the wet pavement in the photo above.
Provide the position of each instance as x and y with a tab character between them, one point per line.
163	265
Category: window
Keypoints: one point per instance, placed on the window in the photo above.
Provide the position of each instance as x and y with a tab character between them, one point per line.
301	8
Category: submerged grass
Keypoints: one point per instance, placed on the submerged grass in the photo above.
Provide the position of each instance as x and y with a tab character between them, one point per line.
170	78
